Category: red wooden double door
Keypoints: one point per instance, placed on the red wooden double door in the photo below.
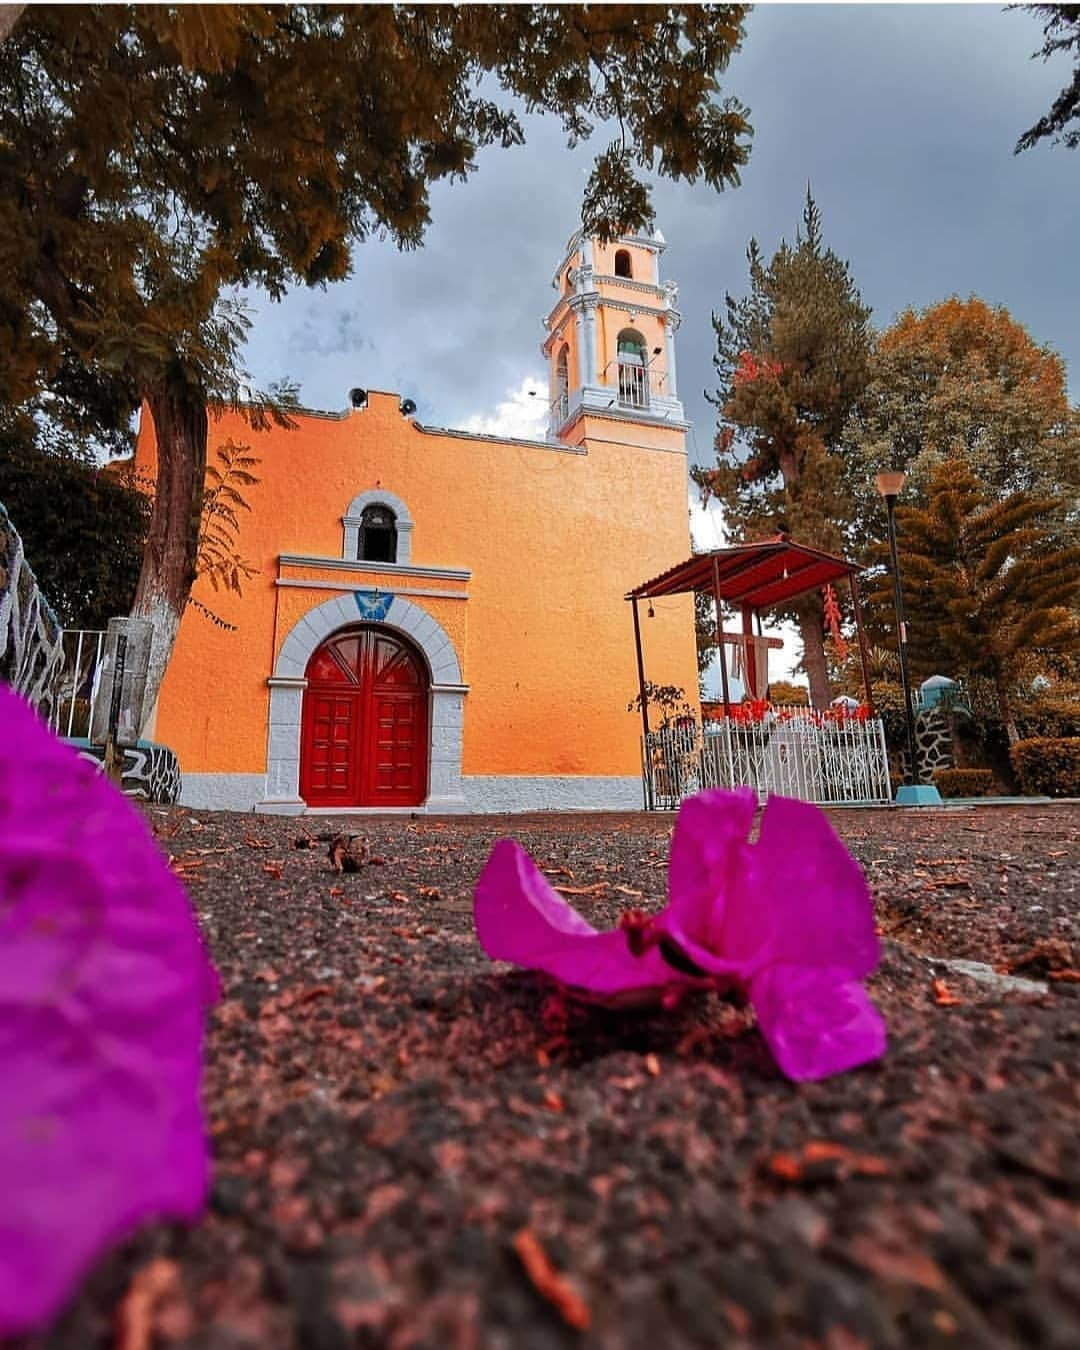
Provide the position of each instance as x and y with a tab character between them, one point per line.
364	736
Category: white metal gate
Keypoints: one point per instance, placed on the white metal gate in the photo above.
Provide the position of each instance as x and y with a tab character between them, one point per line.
793	752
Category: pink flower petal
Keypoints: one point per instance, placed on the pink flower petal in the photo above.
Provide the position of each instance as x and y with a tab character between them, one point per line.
788	918
521	918
801	898
104	983
815	1021
795	895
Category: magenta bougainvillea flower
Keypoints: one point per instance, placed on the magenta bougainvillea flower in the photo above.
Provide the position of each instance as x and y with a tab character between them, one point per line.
104	986
787	919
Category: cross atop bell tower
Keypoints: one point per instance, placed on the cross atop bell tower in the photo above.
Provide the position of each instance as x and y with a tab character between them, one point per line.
611	337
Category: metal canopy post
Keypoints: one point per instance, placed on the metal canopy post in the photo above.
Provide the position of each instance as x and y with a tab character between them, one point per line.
720	638
864	651
643	699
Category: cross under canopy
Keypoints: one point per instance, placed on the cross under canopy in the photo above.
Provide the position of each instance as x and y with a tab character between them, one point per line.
754	577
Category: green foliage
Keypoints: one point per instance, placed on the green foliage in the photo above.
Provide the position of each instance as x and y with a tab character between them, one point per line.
153	157
670	699
964	782
962	380
985	583
792	359
154	160
1051	714
704	630
1048	768
785	694
82	528
1061	33
889	706
219	560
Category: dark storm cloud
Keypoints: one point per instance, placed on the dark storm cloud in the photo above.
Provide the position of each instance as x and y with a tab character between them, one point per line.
902	117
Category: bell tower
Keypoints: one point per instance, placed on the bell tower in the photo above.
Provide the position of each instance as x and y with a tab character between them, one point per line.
611	338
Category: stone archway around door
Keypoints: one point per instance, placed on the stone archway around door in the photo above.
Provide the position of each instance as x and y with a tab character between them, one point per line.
288	682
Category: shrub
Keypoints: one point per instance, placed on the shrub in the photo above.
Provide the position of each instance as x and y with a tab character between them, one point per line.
1048	767
964	782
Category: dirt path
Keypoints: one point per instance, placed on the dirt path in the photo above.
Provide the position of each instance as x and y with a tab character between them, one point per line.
390	1113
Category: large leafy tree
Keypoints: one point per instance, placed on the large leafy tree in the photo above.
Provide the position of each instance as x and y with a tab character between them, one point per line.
986	583
154	158
962	380
1061	33
83	529
792	359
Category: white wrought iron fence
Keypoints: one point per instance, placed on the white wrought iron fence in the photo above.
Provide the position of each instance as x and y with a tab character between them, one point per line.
793	752
83	650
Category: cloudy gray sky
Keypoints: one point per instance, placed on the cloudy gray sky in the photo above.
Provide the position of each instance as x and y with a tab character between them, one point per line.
903	117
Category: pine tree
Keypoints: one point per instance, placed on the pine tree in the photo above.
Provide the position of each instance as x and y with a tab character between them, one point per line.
985	583
154	158
1061	33
792	359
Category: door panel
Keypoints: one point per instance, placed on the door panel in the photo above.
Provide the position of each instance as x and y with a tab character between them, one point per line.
364	735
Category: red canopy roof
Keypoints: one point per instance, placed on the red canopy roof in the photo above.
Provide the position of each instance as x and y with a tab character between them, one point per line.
758	575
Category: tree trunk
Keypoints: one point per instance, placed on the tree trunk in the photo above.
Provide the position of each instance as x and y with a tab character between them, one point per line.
9	17
172	542
813	635
1003	707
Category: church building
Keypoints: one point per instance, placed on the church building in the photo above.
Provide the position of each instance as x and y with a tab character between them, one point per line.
438	618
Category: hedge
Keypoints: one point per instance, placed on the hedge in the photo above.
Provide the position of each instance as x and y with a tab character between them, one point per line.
1048	767
964	782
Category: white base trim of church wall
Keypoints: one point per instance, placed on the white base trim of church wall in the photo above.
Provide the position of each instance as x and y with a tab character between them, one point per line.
499	794
505	792
222	791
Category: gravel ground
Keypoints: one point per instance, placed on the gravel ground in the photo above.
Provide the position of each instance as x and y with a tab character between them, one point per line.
415	1148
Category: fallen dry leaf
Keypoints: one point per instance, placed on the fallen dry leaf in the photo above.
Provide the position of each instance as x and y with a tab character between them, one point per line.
152	1285
549	1284
943	997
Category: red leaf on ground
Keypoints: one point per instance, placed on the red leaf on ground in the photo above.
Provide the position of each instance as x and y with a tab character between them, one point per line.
152	1285
549	1284
943	997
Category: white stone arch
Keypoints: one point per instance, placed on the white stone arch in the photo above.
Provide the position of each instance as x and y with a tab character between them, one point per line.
353	518
287	685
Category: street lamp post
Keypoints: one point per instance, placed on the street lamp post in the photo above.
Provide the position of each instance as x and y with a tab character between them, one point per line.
912	793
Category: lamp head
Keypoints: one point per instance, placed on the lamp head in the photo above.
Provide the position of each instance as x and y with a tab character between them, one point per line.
890	482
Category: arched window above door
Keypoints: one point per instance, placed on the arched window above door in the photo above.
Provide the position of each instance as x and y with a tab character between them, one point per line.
624	267
378	529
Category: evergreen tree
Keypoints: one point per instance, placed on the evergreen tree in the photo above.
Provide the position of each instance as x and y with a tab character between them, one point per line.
1061	33
792	359
155	158
985	584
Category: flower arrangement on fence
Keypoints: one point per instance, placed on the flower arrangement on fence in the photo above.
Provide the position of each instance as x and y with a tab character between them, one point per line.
755	712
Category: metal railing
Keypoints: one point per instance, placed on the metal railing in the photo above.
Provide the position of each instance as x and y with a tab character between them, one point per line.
83	649
793	752
633	385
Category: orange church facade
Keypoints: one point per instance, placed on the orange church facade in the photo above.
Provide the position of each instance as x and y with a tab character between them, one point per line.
438	620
